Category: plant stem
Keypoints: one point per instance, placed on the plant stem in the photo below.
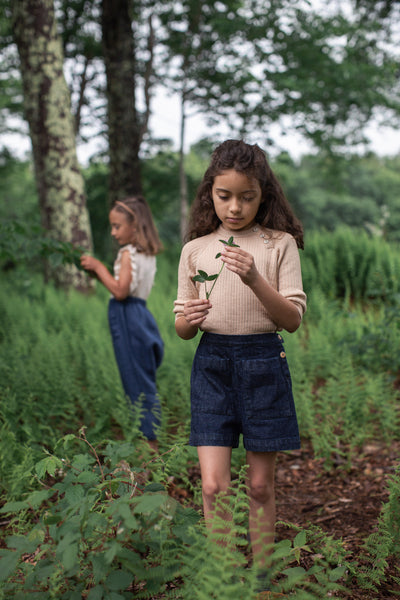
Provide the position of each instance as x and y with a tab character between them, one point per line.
215	281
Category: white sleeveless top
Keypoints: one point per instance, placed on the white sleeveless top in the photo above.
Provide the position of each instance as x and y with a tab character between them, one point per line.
143	271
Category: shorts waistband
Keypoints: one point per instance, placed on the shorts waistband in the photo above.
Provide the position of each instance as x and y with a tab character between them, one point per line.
240	340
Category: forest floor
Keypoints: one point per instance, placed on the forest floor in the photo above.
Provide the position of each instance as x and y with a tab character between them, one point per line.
344	503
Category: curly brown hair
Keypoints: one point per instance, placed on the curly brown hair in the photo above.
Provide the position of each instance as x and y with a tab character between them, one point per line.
275	211
137	211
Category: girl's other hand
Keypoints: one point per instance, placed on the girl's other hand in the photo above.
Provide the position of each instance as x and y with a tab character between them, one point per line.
240	262
280	309
196	311
89	263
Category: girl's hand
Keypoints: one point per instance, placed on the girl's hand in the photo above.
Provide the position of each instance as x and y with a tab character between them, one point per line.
196	311
89	263
241	262
281	310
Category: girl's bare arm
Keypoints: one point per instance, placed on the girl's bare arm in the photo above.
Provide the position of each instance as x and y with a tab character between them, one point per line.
118	288
282	311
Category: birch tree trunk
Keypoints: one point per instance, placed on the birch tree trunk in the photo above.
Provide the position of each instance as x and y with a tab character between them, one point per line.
47	108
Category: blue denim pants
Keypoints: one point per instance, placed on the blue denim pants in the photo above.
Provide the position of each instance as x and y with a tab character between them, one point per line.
240	384
138	351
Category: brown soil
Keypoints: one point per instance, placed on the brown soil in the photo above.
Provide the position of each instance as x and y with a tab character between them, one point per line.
344	503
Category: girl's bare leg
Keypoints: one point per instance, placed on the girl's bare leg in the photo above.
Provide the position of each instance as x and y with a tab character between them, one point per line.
260	482
215	466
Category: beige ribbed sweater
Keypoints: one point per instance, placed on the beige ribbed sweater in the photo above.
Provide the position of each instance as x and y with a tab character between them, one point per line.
235	308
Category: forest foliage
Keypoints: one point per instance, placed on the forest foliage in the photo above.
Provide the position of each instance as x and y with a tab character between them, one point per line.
319	71
87	507
357	191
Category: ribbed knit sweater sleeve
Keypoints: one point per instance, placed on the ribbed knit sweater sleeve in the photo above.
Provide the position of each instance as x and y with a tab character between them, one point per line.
235	308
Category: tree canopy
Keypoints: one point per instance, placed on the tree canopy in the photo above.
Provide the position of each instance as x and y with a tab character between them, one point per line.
319	69
323	70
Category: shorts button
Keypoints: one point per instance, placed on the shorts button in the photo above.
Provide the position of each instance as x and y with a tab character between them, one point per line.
283	354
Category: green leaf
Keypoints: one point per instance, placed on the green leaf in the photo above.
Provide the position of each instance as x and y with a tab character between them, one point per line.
70	556
149	503
230	243
282	549
74	495
130	560
212	277
218	255
87	477
300	539
9	561
55	260
294	575
111	552
154	487
185	520
337	573
68	438
83	461
49	465
96	593
52	519
22	543
14	507
68	540
100	567
203	274
38	497
115	452
198	278
119	580
123	511
73	595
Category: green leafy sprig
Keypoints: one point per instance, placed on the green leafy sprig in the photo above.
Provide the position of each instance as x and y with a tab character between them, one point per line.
203	277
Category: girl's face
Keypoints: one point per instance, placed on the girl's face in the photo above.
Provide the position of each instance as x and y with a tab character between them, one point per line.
122	229
236	199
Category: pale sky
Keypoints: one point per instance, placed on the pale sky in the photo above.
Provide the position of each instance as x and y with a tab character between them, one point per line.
165	123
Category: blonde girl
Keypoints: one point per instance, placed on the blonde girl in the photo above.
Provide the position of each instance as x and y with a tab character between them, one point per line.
137	342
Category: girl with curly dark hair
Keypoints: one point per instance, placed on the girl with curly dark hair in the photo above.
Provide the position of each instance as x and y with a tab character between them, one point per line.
240	383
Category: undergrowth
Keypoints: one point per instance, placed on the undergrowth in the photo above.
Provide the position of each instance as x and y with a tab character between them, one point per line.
89	516
95	529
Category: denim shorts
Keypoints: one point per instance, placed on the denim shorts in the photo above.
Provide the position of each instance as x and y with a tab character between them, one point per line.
240	384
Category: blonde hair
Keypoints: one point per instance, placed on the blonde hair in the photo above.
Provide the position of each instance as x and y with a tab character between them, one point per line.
137	211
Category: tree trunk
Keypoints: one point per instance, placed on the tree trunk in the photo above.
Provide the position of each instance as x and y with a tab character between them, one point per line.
123	123
184	209
48	111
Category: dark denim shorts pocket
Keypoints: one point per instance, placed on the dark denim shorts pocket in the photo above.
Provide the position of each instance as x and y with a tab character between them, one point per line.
211	385
267	388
